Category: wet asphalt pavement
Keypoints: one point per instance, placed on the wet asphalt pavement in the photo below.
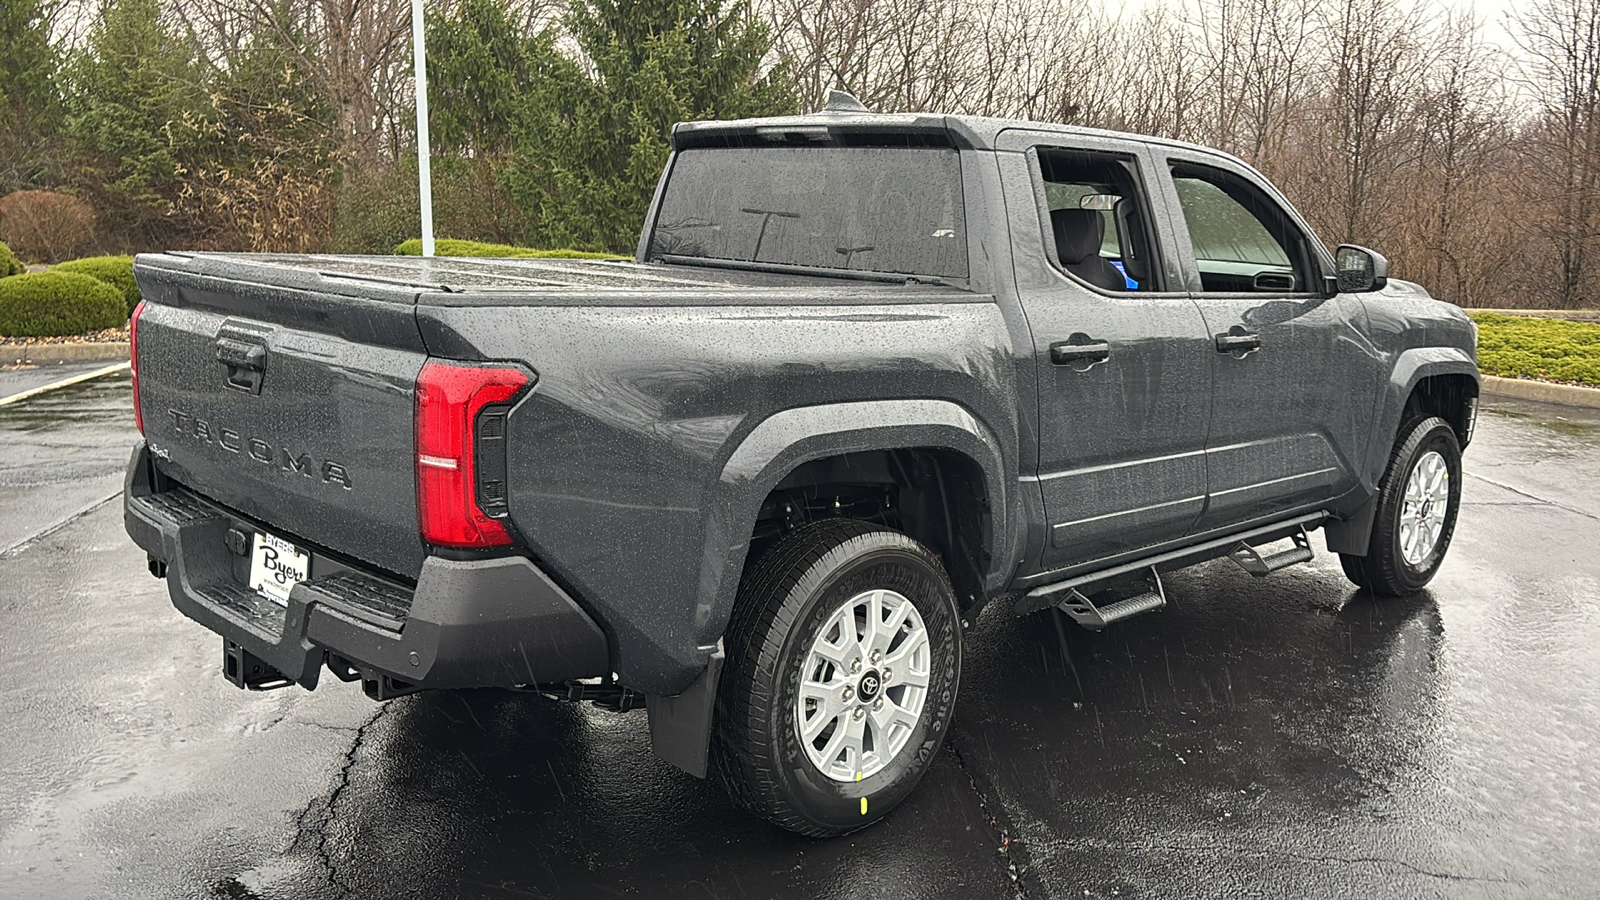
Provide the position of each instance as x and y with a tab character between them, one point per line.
1284	737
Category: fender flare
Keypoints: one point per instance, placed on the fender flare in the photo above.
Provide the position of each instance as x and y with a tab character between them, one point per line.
681	725
1351	534
1410	367
789	438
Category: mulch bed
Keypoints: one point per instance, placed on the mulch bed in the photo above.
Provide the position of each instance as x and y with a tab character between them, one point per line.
108	336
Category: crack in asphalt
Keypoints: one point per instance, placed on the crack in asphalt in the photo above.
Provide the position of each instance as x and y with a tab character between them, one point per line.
318	830
1535	497
338	729
1016	858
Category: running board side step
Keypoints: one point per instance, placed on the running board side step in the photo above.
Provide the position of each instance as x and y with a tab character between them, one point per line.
1083	610
1047	595
1250	559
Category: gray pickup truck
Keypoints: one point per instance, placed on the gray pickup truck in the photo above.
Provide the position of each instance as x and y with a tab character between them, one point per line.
865	374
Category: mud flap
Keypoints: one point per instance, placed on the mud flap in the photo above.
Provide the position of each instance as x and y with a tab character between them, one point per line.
680	726
1351	536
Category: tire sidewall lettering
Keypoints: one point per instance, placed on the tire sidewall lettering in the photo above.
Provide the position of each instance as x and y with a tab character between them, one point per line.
838	803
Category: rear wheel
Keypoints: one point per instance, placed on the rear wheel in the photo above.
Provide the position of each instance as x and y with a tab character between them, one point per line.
844	657
1418	499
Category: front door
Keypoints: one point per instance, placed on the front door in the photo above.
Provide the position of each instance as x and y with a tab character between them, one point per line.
1285	355
1121	352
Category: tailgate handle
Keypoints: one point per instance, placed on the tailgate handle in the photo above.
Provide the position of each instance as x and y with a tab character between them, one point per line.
246	363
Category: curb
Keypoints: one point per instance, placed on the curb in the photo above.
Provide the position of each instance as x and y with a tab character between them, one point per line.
1542	391
56	354
1570	315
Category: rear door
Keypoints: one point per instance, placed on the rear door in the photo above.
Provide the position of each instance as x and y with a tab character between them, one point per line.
1285	354
287	395
1123	370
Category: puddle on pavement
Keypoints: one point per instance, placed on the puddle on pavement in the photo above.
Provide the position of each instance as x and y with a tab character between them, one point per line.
1580	423
103	400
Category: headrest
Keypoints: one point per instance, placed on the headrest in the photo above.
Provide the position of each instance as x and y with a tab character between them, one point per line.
1079	233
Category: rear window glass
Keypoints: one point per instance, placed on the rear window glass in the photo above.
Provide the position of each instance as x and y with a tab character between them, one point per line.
877	209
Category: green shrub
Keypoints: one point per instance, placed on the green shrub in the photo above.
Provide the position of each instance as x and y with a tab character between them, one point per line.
116	271
447	247
1548	349
9	264
48	304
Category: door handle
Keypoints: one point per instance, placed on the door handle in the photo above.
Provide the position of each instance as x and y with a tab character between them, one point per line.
1064	353
1238	342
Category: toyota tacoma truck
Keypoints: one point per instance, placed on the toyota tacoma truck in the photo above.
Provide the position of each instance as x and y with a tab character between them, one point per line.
865	374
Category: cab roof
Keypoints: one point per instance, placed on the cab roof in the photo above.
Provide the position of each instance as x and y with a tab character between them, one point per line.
855	125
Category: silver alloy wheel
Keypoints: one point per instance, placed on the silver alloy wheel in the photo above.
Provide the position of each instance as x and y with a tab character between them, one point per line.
1423	509
863	685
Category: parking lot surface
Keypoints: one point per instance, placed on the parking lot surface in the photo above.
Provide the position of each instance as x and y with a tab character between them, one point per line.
1279	737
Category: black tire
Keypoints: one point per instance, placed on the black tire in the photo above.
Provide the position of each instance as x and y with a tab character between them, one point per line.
1385	569
785	600
1354	569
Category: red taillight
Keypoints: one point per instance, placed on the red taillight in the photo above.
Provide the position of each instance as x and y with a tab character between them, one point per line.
449	398
133	359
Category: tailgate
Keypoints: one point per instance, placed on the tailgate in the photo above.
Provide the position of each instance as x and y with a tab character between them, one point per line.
287	394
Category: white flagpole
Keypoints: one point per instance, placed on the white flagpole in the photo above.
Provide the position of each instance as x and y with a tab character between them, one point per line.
424	170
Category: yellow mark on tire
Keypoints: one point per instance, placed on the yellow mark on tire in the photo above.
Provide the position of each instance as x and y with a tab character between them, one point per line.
863	806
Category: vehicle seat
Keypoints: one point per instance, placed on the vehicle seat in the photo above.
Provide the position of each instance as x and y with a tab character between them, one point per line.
1079	233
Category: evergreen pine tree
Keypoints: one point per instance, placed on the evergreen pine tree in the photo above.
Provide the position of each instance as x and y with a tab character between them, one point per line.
135	80
30	100
591	134
478	68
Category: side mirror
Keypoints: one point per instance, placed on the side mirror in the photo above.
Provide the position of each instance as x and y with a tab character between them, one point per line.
1361	270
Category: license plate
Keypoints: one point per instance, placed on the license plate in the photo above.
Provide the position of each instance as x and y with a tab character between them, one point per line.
276	566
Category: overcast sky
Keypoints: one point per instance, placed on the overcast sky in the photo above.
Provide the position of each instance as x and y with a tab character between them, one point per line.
1491	13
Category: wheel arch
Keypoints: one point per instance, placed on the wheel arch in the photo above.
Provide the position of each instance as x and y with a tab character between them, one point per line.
1425	381
940	431
778	446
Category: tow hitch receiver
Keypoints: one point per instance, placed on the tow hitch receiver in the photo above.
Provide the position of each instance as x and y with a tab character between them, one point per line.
246	670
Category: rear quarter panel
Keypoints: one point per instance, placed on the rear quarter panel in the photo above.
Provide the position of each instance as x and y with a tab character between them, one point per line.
619	471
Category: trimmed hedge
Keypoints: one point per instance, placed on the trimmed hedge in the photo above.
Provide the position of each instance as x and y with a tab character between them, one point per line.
1544	349
116	271
51	304
448	247
9	264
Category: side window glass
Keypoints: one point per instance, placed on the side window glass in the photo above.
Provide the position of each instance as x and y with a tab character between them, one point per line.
1098	227
1243	242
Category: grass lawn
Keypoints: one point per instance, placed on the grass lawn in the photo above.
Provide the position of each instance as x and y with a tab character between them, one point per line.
1545	349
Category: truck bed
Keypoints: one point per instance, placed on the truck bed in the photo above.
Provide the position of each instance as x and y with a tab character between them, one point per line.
319	442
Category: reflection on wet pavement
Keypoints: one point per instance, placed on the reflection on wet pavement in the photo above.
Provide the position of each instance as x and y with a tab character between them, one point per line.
1279	737
60	452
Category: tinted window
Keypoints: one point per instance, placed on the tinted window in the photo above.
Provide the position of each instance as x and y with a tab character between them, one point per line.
878	209
1097	219
1243	242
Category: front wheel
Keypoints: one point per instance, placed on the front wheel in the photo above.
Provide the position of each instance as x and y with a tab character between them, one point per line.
844	657
1418	499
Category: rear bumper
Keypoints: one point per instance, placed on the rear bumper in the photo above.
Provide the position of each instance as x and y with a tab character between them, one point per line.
467	623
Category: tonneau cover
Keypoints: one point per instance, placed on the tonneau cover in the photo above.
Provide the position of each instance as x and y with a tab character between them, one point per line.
475	280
